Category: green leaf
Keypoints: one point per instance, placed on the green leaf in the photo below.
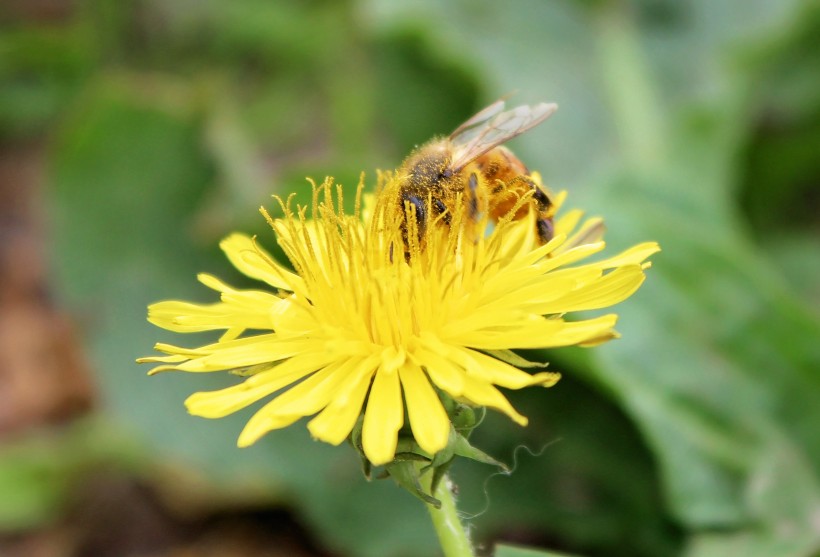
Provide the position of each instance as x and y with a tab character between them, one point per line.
39	473
34	483
516	551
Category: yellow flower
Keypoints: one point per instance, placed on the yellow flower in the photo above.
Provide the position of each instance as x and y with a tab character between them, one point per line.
361	327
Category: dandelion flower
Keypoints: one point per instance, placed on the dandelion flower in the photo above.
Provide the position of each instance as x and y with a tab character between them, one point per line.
353	327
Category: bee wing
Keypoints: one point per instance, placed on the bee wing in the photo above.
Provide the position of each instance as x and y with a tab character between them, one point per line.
491	127
482	116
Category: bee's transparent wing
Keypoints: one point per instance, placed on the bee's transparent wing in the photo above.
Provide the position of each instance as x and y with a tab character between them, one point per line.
481	117
491	127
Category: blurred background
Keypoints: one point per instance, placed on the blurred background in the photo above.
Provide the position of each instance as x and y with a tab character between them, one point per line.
134	134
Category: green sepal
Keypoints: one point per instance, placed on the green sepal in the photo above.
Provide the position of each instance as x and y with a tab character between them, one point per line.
458	445
464	449
464	419
443	459
406	473
448	453
410	457
355	439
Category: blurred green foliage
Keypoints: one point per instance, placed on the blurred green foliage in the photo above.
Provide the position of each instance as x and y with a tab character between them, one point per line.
693	123
513	551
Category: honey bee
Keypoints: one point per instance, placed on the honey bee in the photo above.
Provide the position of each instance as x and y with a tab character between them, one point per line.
473	162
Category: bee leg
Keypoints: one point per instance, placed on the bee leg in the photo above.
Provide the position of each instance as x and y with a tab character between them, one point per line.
544	225
412	205
441	209
540	197
545	229
419	209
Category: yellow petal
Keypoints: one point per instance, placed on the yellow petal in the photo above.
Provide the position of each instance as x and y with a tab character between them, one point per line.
247	311
568	221
214	283
446	374
491	370
199	317
215	404
528	331
542	290
334	423
383	418
314	393
429	421
248	351
304	399
538	333
255	262
261	423
570	256
168	359
484	394
592	231
635	254
582	332
608	290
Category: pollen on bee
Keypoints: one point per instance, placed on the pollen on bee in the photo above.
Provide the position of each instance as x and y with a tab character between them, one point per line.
413	230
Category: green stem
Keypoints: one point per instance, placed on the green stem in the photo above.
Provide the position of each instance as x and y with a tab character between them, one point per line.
451	533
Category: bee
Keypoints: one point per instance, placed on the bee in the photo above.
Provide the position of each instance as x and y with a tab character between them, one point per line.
473	162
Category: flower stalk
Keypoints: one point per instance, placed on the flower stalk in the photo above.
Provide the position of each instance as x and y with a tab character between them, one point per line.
451	533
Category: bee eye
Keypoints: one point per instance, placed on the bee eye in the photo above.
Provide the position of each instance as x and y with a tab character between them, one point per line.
447	173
